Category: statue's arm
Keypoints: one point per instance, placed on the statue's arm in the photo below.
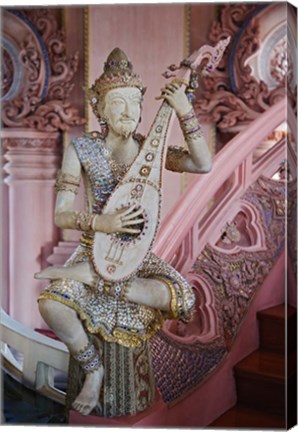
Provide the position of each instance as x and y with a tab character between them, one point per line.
198	158
66	186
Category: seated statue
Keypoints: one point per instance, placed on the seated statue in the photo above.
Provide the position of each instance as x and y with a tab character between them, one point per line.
107	326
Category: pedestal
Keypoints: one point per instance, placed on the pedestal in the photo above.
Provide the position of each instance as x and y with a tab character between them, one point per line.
147	418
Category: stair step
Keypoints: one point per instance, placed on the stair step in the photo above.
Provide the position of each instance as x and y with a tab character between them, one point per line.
264	376
277	312
243	416
260	381
272	328
264	364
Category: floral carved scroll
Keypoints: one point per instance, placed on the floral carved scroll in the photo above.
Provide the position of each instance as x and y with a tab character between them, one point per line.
37	74
256	70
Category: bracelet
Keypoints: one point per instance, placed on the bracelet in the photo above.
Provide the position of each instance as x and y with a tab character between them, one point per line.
92	221
190	126
85	221
187	116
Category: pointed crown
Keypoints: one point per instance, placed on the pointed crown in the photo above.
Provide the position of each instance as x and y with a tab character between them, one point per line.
118	72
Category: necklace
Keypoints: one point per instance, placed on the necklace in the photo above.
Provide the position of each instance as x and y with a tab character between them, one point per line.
118	169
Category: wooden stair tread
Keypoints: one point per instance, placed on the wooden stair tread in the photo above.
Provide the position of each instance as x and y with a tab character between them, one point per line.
279	312
266	364
242	416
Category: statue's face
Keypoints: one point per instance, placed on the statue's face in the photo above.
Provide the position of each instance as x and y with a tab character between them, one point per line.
122	110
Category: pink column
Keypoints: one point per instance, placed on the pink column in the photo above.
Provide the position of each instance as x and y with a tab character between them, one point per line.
32	160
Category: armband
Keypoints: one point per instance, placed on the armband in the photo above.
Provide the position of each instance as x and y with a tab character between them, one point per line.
67	182
175	155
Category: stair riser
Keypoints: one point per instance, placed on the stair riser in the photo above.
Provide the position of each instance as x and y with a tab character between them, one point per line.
272	334
237	418
260	394
292	401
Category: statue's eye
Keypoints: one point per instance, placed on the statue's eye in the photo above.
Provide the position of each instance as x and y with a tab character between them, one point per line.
117	102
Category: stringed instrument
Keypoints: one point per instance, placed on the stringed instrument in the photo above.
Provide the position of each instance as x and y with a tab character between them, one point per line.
118	256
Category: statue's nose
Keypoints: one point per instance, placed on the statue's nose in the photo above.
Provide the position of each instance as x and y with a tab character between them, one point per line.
127	109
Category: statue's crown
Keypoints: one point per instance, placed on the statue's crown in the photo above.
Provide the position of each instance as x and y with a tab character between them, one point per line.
117	62
118	72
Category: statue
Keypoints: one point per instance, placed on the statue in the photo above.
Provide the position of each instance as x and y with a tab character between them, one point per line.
107	325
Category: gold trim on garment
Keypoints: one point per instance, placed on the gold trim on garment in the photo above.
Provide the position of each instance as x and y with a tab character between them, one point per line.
87	64
174	301
119	336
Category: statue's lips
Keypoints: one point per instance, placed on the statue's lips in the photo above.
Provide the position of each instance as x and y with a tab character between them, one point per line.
127	121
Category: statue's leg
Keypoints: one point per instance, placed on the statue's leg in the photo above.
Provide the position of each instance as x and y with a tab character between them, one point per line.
65	323
169	291
150	292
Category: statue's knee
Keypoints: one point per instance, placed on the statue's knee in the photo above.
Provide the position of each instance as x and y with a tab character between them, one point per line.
45	307
52	310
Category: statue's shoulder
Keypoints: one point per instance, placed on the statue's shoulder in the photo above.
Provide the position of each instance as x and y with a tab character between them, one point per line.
94	136
86	139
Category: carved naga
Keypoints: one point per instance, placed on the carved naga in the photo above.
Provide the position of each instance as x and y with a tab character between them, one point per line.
117	256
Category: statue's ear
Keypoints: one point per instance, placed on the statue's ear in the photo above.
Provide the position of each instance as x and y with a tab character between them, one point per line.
93	98
101	108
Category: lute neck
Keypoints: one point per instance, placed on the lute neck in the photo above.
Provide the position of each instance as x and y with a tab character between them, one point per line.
149	162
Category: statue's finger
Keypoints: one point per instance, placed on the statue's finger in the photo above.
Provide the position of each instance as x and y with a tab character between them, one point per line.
132	215
128	210
172	88
130	231
132	222
176	86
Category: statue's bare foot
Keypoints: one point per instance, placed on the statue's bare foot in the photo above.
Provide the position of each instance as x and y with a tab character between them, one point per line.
88	397
82	272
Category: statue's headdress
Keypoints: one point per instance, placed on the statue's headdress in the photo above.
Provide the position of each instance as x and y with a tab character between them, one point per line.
118	72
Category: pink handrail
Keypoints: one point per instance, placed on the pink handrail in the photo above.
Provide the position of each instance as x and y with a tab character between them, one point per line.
238	151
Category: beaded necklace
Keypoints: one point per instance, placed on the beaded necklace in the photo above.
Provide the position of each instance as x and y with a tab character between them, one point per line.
118	169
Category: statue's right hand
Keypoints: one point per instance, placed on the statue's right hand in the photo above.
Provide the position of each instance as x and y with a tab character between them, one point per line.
122	221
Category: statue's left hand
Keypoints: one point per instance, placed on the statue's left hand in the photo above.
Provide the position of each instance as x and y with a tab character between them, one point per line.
175	95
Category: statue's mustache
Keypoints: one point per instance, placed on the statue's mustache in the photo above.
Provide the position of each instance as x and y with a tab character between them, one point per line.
127	118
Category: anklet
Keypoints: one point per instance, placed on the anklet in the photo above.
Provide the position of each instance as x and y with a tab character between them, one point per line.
88	358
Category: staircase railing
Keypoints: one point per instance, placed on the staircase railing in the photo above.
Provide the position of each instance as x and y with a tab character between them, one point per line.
185	232
31	358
